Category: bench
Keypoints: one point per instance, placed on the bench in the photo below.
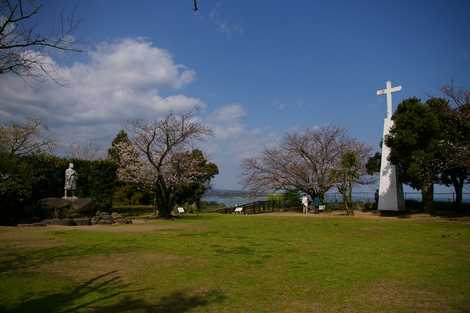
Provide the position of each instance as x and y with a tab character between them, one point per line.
180	210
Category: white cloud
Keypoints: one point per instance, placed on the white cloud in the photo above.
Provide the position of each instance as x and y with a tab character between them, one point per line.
226	121
137	64
229	113
121	81
118	81
233	141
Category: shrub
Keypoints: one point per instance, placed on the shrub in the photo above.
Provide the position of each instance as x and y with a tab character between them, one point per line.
27	179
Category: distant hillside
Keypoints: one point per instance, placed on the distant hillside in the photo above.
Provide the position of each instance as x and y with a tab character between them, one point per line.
232	193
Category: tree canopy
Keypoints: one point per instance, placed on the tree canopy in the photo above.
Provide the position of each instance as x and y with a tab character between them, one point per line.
421	142
304	161
157	157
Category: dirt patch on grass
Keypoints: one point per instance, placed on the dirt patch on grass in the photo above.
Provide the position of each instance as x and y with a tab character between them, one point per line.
370	215
129	228
393	296
129	266
20	237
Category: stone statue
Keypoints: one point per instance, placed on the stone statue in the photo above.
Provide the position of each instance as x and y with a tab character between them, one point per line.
70	181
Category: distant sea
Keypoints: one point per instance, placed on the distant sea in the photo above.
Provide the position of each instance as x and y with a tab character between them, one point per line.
234	200
231	201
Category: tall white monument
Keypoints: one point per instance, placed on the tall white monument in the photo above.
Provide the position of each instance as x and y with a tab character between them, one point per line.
390	189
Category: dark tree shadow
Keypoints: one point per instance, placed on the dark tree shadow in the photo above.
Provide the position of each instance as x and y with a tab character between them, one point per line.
23	260
107	293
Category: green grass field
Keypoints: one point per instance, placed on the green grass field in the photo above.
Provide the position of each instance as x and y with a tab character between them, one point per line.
223	263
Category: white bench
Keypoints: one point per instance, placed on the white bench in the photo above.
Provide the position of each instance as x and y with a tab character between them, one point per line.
180	210
238	210
321	208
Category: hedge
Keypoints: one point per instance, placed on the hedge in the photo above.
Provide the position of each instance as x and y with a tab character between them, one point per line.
25	180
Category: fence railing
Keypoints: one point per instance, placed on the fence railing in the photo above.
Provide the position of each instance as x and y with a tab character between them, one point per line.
264	206
258	207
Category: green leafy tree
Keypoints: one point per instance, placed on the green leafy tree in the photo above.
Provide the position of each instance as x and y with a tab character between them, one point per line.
418	143
113	152
193	191
352	168
373	164
290	198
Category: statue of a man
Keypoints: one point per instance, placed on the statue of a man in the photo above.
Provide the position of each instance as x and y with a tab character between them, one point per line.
70	181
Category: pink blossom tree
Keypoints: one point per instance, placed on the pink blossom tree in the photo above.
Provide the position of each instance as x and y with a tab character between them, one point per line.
156	157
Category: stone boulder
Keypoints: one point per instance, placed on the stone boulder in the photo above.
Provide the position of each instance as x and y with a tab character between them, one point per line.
102	218
107	219
59	221
82	221
119	219
69	208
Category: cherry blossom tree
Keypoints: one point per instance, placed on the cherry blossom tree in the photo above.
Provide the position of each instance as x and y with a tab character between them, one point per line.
156	157
304	161
24	138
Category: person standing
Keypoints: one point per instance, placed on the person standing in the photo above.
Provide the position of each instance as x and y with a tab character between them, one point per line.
316	204
305	204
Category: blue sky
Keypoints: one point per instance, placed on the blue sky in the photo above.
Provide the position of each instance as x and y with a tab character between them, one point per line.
261	68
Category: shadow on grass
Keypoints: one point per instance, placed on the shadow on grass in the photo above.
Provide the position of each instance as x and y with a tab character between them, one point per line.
21	260
107	293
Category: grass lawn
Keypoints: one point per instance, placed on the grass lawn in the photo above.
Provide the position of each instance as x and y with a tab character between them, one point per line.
226	263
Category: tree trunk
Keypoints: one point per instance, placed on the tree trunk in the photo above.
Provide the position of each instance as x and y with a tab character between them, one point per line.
198	205
312	195
350	204
427	194
458	187
155	205
343	190
165	201
321	196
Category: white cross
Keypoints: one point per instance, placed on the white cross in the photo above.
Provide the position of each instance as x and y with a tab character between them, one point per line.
388	91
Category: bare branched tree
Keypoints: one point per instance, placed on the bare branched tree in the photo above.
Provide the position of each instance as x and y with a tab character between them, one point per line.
20	42
459	96
155	157
25	138
302	161
84	151
457	166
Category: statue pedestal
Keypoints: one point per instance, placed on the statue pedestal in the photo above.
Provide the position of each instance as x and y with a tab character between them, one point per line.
70	198
390	189
60	207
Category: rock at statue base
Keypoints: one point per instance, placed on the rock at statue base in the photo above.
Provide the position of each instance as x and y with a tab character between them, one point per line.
102	218
59	221
119	219
105	218
59	207
32	225
82	221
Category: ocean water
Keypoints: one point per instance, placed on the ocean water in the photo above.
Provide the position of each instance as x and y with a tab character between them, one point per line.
231	201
